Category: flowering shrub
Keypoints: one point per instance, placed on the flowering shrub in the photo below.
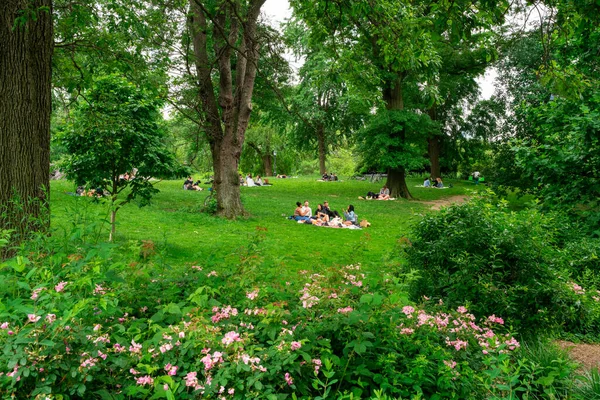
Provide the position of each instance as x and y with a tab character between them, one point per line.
99	323
500	262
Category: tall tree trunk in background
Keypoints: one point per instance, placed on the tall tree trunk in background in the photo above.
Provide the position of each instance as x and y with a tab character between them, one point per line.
433	144
227	114
322	148
396	177
25	106
267	164
433	148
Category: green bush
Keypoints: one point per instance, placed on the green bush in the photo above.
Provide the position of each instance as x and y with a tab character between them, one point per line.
109	322
505	263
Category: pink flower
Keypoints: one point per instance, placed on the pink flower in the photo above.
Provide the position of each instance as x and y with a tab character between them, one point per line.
252	295
99	290
197	267
288	379
97	327
296	345
133	371
4	325
145	380
89	362
450	364
36	293
60	286
135	348
191	380
231	391
102	355
231	337
166	387
494	319
50	318
33	318
577	289
408	310
461	310
407	331
165	347
212	273
182	334
345	310
172	370
512	343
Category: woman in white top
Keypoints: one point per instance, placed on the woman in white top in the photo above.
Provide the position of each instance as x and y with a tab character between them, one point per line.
250	181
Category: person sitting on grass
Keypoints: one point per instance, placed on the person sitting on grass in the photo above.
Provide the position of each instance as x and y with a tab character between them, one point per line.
190	185
427	183
307	210
250	181
350	217
321	214
299	213
438	183
329	212
384	193
258	181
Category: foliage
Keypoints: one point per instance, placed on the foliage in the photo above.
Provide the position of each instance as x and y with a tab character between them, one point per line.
114	132
394	139
102	322
499	262
562	157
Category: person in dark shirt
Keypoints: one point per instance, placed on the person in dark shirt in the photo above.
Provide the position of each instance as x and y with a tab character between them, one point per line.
328	211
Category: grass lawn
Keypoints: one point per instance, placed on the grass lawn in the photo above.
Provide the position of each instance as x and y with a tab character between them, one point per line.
188	237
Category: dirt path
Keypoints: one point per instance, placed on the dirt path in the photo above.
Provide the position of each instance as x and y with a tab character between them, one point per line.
588	355
437	204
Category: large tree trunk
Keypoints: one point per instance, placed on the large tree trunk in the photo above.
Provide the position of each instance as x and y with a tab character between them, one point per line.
321	141
227	114
227	181
433	143
396	179
25	105
267	164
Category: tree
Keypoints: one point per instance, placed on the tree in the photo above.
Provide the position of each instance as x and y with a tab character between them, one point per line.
114	132
387	42
325	107
26	47
225	43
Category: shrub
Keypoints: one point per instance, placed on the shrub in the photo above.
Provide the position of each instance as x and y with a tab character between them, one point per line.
114	323
499	262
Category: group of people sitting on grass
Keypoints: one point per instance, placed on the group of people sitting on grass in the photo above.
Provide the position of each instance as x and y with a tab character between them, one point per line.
329	177
325	216
249	181
189	184
384	194
437	183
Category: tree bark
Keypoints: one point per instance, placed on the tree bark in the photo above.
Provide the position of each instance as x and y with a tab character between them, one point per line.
267	164
433	146
433	143
396	177
227	116
26	48
322	148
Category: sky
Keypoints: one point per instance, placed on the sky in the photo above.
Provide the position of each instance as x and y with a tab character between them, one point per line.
278	10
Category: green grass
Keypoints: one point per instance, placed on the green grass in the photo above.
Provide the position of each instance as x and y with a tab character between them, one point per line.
188	237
